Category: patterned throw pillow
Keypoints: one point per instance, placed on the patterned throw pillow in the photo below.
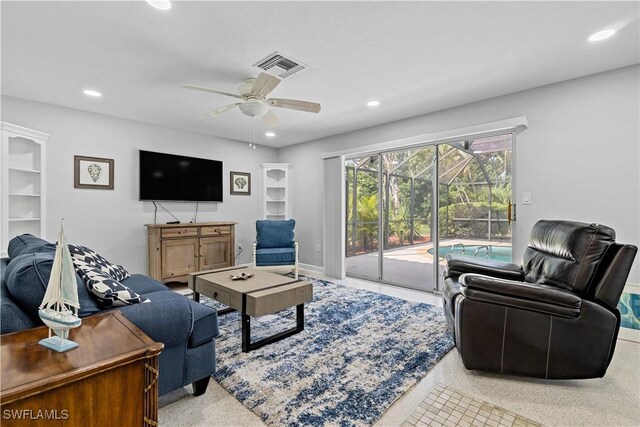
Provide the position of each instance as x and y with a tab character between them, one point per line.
83	256
107	291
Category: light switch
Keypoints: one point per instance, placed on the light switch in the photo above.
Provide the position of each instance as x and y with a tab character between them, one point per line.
526	198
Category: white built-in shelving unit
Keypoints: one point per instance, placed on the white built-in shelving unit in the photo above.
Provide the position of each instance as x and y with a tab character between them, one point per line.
22	182
275	178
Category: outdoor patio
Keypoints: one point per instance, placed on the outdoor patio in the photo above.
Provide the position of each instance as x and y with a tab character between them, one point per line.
412	266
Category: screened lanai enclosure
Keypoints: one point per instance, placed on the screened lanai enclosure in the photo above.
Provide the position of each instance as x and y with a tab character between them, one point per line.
407	209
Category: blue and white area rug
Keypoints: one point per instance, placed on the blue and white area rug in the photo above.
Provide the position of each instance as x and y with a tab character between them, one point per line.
358	353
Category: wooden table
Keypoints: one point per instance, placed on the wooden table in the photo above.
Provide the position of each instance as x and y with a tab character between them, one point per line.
110	379
264	293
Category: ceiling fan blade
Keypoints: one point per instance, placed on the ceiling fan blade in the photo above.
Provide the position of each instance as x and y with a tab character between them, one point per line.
294	104
264	84
221	110
206	89
270	119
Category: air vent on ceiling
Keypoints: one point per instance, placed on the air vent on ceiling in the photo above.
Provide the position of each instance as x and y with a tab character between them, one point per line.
280	65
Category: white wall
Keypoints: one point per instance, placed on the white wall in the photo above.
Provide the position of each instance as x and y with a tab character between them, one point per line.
112	221
579	158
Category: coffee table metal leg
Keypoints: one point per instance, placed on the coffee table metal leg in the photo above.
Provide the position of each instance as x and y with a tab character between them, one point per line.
196	296
300	317
246	333
247	345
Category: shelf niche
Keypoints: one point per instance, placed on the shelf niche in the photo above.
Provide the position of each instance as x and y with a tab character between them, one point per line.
276	193
276	178
22	167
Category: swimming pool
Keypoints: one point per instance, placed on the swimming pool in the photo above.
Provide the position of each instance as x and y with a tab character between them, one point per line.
501	253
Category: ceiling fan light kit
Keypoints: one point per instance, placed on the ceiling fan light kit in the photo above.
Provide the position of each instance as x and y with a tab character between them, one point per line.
254	108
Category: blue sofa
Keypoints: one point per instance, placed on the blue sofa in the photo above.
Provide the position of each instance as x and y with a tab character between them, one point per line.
186	328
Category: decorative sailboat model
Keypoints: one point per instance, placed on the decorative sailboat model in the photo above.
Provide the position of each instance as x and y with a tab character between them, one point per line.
59	308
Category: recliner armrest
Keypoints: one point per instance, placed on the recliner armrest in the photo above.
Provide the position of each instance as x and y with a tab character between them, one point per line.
460	264
523	295
523	290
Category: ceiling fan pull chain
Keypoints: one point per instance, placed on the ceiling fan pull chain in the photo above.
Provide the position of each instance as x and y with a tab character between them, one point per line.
253	126
252	134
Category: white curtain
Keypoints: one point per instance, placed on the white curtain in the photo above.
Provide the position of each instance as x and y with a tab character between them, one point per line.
334	217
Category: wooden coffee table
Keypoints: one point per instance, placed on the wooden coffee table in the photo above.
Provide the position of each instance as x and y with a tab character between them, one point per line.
264	293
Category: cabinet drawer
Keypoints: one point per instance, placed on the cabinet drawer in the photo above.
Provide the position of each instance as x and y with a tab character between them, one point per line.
179	232
212	292
221	296
215	230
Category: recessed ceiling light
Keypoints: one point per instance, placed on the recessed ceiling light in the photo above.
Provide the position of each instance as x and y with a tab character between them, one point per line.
269	134
90	92
373	103
160	4
601	35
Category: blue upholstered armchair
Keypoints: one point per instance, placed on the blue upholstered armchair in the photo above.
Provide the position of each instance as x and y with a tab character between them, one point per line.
275	245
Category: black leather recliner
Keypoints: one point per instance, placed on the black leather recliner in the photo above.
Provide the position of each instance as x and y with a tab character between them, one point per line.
555	316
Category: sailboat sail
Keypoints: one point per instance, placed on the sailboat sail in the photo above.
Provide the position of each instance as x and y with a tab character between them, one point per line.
68	289
61	288
52	294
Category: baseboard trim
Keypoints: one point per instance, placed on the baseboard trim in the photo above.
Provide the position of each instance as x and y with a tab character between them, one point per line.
308	267
311	267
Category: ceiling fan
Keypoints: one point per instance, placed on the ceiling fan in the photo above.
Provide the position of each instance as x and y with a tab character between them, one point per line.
254	102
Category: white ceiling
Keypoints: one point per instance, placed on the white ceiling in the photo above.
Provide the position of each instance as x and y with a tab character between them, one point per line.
416	57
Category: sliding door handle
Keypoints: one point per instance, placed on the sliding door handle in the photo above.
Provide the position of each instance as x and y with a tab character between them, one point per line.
511	212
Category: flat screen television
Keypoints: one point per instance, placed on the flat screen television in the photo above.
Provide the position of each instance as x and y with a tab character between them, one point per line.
169	177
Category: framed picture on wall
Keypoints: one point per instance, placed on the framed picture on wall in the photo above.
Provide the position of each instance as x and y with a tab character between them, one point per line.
240	183
93	172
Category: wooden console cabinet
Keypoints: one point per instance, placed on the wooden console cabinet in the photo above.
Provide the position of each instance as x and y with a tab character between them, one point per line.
175	250
111	378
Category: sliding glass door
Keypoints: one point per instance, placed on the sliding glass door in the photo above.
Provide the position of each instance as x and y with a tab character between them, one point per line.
363	216
407	198
475	198
397	199
389	200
